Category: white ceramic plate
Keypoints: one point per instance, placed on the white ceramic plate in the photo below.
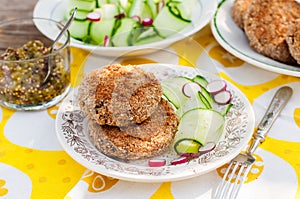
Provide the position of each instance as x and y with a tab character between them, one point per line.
72	132
234	40
55	9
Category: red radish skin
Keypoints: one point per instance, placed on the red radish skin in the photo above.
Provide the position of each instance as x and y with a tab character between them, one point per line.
216	86
157	162
190	155
180	160
161	4
120	16
147	22
208	147
106	41
223	97
190	89
93	16
137	18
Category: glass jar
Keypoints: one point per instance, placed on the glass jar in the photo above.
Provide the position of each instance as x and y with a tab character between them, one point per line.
26	59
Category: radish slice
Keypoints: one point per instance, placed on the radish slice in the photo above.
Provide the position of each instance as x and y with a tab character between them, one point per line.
190	155
93	16
207	148
190	89
157	162
223	97
180	160
137	18
216	86
120	16
161	4
147	22
106	41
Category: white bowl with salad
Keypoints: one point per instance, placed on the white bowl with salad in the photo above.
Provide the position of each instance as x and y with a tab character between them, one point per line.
127	27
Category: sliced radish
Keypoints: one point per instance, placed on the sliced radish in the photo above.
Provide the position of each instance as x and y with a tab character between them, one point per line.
207	148
106	41
190	89
161	4
189	155
93	16
157	162
137	18
147	22
216	86
223	97
180	160
120	16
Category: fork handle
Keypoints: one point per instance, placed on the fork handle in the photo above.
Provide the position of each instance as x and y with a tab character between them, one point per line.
278	102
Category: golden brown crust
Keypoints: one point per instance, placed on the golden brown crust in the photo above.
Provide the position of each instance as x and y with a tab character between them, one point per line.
114	142
119	95
239	10
266	23
293	40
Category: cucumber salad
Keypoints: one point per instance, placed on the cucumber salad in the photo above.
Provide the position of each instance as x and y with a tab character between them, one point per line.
201	107
128	22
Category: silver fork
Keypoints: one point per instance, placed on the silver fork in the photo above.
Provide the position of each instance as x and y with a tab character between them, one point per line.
241	164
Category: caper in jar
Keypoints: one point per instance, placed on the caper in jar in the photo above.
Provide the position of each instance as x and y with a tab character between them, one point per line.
23	70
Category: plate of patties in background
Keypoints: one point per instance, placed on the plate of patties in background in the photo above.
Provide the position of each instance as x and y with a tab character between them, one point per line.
232	38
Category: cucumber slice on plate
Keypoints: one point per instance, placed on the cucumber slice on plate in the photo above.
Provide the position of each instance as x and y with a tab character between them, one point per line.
87	5
140	8
100	29
108	11
200	80
79	29
196	101
172	90
147	36
167	23
202	125
124	33
187	145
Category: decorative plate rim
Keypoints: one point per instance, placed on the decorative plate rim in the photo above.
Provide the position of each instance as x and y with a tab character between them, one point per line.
72	135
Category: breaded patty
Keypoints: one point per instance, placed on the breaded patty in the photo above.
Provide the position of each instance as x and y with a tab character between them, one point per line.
239	10
119	95
114	142
266	23
293	40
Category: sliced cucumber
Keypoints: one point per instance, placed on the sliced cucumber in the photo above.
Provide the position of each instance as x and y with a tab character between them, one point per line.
140	8
200	80
87	5
172	90
99	3
147	36
208	97
196	101
202	125
182	8
80	15
123	34
79	29
153	8
108	11
99	29
187	146
226	109
168	24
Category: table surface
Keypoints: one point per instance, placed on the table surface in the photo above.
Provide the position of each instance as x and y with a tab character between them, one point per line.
34	165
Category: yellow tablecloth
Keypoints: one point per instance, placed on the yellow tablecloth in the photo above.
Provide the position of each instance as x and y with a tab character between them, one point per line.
34	165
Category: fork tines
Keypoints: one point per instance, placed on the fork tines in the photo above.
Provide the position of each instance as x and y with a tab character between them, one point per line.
232	180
